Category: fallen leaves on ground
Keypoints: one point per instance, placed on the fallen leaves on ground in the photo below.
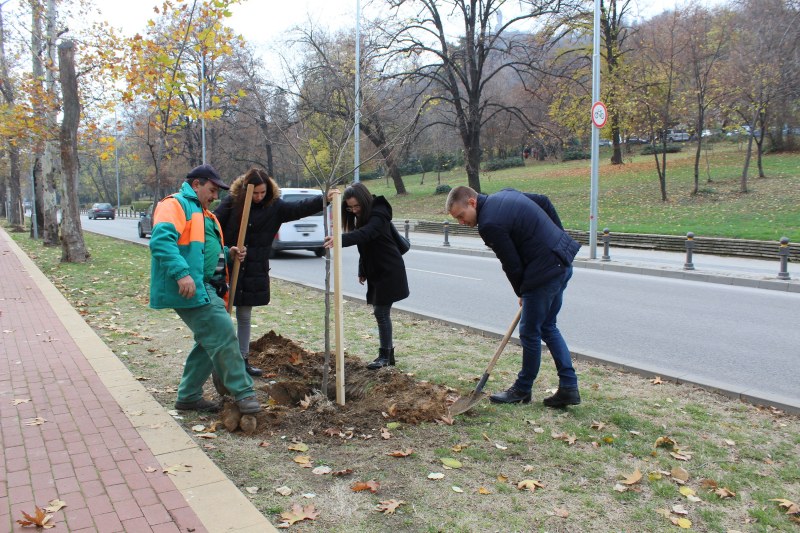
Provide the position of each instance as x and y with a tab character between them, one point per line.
302	460
370	485
530	484
39	519
449	462
298	514
299	447
435	475
321	470
345	472
569	439
633	478
284	490
174	469
484	490
559	512
724	492
401	453
656	380
53	506
38	421
679	474
388	506
20	400
251	490
790	506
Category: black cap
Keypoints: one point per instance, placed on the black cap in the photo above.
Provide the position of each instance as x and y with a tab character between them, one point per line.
207	172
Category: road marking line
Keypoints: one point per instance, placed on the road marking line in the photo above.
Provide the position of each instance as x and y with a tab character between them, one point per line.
443	274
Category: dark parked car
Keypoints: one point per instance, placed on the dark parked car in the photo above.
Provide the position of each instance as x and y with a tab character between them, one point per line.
101	211
146	222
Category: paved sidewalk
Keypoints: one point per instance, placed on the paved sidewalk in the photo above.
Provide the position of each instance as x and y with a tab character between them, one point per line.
76	426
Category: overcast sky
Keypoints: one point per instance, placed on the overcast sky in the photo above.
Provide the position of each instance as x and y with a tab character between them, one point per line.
266	21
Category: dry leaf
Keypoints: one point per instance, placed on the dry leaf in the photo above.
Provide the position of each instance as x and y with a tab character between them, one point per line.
729	442
502	478
446	420
174	469
388	506
569	439
679	509
370	485
345	472
683	523
560	512
634	478
39	519
435	475
299	447
597	425
284	490
302	460
296	358
264	444
385	435
305	402
298	514
38	421
681	456
620	488
458	448
198	428
449	462
530	484
687	491
725	493
680	474
484	490
665	442
656	380
790	506
251	490
527	468
53	506
500	446
401	453
708	484
20	400
457	489
150	469
321	470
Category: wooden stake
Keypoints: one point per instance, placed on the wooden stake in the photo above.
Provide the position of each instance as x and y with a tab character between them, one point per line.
248	198
337	295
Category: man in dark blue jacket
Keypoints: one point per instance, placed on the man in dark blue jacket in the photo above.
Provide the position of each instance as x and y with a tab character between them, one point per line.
525	233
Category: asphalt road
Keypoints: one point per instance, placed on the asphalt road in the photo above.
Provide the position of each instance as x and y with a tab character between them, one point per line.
737	339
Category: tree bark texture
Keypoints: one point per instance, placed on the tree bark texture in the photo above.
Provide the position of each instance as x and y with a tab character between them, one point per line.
14	214
73	248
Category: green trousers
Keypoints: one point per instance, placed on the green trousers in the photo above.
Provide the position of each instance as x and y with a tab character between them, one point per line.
216	348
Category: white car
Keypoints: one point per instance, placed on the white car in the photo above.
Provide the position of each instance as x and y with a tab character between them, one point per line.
305	234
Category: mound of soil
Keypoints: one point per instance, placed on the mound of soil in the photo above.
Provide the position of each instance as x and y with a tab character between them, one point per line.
295	405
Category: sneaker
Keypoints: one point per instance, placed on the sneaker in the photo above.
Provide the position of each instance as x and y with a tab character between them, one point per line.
249	405
563	397
511	395
200	405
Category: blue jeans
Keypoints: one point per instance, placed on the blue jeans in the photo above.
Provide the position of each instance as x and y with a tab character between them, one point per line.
540	308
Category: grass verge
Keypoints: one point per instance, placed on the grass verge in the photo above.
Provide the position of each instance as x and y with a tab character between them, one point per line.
585	460
629	199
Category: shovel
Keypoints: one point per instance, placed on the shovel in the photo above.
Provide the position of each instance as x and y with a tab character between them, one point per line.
248	198
465	403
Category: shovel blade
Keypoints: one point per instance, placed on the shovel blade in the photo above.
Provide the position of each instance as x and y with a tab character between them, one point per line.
465	403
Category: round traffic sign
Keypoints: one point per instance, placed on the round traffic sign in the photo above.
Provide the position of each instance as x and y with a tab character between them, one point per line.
599	114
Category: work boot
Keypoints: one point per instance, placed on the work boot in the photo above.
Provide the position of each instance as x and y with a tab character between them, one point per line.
511	395
253	371
563	397
200	405
385	358
249	405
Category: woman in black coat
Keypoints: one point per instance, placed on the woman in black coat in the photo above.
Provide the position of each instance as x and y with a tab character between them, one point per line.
267	212
367	223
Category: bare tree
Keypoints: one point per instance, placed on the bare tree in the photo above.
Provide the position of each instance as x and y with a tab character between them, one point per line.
457	73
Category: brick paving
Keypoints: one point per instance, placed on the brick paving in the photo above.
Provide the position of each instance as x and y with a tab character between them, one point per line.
70	440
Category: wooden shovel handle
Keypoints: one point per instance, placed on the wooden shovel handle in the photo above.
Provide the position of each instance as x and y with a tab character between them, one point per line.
248	198
503	342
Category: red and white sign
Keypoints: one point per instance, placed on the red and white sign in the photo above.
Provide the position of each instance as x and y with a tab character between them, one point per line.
599	114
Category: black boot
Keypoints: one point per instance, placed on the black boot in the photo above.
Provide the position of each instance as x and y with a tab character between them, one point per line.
253	371
563	397
383	359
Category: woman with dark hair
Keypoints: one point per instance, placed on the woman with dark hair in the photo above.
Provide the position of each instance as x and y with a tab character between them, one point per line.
366	221
267	212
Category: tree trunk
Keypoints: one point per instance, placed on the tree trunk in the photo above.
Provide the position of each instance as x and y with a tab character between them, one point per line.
51	163
616	157
73	248
748	153
473	161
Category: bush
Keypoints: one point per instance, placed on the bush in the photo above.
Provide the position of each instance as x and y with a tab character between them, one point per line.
442	189
575	154
499	164
671	149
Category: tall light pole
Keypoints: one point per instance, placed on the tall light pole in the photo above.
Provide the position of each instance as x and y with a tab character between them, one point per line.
357	121
595	136
116	153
